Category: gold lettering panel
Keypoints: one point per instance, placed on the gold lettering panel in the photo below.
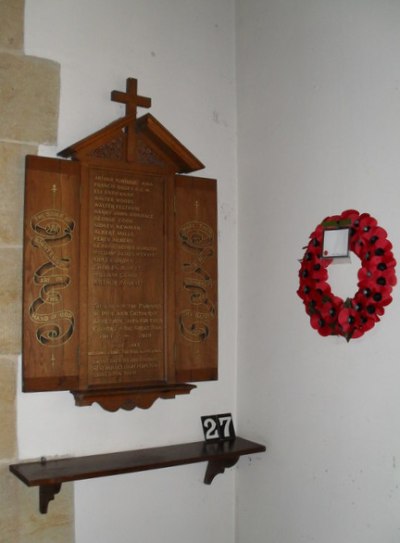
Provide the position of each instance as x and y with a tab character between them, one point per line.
126	276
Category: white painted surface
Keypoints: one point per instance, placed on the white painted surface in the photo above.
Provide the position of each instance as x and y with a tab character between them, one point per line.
319	132
182	53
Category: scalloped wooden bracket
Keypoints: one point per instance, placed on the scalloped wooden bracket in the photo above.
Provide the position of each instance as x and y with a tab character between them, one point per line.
128	399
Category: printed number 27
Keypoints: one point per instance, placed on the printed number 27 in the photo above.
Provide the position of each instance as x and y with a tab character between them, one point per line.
218	427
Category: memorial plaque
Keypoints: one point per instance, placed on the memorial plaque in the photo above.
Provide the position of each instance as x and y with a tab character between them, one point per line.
120	266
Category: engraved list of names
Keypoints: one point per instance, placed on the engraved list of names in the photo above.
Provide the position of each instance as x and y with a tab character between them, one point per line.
126	278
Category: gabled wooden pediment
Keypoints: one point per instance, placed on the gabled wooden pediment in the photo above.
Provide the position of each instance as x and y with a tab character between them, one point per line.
153	146
163	142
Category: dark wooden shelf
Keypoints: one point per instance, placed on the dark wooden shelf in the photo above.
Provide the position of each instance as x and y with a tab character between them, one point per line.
49	475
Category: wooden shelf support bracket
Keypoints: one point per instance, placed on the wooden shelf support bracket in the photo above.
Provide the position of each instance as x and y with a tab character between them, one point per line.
215	467
46	494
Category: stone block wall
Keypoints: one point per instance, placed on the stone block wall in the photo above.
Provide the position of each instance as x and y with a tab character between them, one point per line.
29	98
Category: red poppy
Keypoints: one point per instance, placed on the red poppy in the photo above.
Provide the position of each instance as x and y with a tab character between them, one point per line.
320	325
315	269
330	309
378	272
351	214
347	319
366	222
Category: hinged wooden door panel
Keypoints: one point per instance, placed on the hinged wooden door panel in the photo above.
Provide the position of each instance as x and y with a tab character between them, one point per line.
51	275
196	277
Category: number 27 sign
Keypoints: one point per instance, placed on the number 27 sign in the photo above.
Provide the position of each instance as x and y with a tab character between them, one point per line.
218	427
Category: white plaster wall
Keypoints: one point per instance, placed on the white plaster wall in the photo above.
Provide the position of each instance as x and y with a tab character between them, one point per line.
319	132
182	53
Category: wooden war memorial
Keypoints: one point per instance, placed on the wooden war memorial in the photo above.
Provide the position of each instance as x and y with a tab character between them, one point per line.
120	266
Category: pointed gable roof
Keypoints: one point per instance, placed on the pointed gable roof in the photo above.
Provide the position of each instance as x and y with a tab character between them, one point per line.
156	146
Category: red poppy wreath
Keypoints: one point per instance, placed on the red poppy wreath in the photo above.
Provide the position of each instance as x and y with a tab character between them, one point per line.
350	318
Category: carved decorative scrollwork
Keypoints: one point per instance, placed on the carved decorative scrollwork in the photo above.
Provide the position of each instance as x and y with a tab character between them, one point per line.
146	155
114	149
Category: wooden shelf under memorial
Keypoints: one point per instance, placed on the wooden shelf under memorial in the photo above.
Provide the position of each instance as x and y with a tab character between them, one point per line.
49	475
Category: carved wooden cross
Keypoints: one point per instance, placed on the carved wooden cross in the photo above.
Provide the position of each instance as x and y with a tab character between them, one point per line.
130	98
132	101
